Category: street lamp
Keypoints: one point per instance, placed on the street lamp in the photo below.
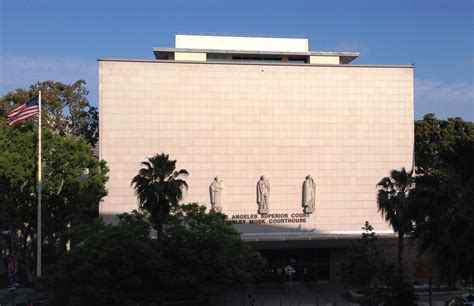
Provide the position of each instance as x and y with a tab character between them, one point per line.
289	271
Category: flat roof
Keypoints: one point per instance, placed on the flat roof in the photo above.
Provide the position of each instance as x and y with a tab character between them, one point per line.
252	63
346	57
323	53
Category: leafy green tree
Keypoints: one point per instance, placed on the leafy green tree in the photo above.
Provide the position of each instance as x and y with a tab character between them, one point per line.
399	293
207	251
435	138
66	109
373	277
73	185
159	187
122	265
367	268
115	265
394	205
443	197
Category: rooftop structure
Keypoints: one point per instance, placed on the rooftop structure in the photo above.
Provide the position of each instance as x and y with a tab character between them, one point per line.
190	47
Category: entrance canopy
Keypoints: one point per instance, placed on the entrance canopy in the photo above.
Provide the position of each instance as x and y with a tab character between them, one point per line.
305	239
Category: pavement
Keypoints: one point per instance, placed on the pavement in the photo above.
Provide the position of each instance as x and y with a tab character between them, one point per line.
21	295
305	294
276	294
266	294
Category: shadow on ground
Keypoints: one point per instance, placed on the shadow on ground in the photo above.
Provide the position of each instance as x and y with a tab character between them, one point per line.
275	294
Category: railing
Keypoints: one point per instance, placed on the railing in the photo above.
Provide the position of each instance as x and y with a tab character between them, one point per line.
242	35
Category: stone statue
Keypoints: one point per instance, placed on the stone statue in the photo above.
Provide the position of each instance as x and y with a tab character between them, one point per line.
309	195
263	195
215	192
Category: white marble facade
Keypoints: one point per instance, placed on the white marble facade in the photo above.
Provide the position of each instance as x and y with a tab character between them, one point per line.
345	125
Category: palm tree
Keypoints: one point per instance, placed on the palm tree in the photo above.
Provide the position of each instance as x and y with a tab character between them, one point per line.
159	187
393	203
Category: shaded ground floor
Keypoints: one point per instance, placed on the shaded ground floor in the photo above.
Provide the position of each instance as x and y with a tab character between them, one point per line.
309	265
324	260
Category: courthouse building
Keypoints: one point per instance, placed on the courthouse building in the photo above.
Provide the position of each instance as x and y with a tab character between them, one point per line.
288	143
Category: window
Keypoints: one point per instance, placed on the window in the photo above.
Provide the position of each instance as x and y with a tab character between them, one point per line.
256	59
298	60
215	57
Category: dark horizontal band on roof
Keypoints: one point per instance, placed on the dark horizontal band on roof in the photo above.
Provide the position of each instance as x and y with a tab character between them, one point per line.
225	51
242	35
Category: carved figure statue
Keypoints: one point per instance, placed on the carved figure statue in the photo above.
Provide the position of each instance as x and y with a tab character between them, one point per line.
309	195
263	195
215	191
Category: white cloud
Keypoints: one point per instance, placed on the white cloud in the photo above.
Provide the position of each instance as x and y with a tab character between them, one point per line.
446	99
443	92
22	71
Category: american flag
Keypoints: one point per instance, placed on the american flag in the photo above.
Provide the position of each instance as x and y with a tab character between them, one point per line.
23	112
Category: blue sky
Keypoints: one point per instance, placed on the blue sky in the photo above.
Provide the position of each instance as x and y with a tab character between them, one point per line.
61	40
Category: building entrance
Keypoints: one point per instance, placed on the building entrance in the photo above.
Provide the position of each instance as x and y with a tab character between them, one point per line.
309	264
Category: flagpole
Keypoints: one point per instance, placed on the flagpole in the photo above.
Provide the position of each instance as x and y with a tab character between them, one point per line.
38	238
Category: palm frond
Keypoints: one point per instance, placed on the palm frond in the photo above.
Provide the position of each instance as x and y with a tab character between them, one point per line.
158	186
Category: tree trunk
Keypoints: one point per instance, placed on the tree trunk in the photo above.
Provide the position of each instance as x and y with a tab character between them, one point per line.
159	232
451	280
430	287
400	252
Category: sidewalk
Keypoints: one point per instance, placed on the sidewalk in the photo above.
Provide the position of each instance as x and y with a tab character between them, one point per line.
21	296
303	294
275	294
265	294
